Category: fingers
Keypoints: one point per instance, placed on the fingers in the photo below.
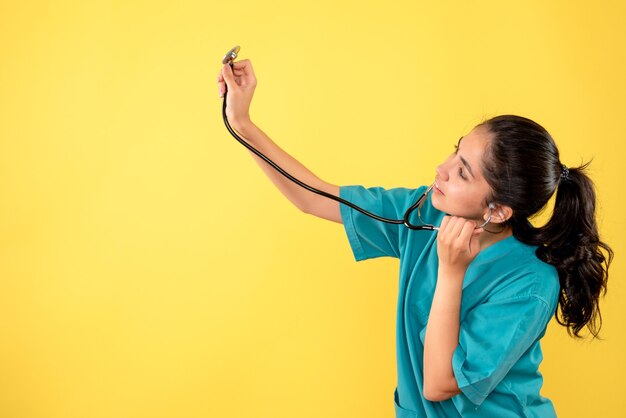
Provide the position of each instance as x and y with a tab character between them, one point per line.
225	80
466	234
240	74
457	242
459	223
227	74
451	227
243	67
457	230
239	68
221	83
444	224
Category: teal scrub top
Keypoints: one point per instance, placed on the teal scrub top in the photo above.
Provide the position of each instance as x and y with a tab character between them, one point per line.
509	296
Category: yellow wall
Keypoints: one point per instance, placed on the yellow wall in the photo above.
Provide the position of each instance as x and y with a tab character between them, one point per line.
149	269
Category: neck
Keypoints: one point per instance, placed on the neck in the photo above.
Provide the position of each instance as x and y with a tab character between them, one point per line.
488	238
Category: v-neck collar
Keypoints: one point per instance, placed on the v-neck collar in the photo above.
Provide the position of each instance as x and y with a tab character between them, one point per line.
496	248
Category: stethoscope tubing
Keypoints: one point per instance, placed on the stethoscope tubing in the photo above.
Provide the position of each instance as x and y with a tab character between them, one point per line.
404	221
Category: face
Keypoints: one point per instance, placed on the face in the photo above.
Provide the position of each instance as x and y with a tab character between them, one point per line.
460	189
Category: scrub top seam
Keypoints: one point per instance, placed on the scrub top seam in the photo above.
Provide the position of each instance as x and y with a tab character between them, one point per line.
348	222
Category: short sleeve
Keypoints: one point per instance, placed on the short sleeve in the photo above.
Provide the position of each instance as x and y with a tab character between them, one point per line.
492	338
368	237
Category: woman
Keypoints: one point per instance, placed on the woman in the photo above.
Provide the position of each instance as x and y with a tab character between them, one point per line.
474	300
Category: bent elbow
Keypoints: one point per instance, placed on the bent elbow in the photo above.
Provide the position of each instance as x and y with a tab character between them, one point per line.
439	394
435	396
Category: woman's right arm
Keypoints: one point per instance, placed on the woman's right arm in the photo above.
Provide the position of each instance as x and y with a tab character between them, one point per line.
241	83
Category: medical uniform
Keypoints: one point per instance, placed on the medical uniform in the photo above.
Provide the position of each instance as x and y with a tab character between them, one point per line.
509	296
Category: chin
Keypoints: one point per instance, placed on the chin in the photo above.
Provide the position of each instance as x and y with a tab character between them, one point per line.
434	200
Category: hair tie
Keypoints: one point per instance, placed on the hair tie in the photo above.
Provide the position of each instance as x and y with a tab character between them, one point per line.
564	172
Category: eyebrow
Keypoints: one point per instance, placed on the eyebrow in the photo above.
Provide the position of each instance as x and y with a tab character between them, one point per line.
465	163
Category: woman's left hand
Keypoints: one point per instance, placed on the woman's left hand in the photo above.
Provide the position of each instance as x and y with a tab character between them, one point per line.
457	243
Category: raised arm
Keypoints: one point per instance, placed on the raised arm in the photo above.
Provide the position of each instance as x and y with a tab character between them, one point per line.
241	83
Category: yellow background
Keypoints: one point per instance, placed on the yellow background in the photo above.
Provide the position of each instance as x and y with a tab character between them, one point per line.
149	268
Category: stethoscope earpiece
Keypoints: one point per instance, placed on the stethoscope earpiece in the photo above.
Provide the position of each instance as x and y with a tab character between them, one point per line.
491	207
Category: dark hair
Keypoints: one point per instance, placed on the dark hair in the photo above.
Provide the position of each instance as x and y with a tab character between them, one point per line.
523	169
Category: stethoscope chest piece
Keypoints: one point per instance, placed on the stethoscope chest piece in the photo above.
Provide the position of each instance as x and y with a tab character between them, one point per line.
231	55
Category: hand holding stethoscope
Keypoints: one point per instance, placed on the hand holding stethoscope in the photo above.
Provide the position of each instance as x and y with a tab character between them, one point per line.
239	80
457	242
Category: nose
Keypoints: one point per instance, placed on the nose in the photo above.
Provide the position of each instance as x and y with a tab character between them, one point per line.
442	172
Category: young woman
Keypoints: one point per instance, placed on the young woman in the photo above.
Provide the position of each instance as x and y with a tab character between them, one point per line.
474	301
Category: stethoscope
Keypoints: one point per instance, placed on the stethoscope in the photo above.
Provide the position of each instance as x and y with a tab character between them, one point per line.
228	59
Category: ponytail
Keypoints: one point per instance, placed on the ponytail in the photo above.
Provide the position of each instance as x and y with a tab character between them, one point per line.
571	243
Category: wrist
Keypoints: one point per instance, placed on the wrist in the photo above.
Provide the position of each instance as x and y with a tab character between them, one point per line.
449	270
447	297
242	126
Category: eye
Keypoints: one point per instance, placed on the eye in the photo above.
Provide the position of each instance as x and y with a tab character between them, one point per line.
461	173
456	148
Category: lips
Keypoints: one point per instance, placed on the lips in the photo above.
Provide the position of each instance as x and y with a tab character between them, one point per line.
437	189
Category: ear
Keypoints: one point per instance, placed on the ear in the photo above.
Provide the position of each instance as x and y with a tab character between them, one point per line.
501	213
